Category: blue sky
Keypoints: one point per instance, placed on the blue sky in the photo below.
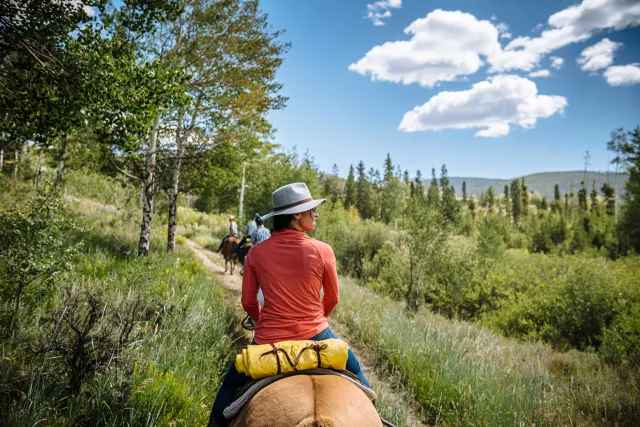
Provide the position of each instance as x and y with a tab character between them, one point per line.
526	124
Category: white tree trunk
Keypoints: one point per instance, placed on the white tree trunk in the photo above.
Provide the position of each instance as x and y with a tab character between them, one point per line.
241	204
175	181
148	191
36	180
1	160
61	159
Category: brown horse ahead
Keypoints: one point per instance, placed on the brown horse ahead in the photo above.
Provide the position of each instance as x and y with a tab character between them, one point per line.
228	250
309	400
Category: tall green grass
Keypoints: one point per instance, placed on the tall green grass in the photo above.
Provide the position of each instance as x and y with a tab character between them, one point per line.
170	373
461	374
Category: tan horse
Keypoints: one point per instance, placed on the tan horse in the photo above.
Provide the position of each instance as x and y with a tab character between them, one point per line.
309	400
228	250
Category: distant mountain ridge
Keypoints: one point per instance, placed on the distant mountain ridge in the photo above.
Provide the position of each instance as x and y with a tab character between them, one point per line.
542	183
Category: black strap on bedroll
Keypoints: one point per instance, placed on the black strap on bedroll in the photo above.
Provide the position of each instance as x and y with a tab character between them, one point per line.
275	350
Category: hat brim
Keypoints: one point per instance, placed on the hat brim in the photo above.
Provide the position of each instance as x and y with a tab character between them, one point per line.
296	209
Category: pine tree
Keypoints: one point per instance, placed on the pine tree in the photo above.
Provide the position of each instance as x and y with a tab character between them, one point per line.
507	200
595	208
388	169
450	205
350	189
433	193
569	200
582	198
472	206
609	195
630	214
525	197
557	196
516	200
544	205
406	178
490	198
444	179
418	189
556	205
363	195
464	191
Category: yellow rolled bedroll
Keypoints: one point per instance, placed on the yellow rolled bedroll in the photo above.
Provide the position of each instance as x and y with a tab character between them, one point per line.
264	360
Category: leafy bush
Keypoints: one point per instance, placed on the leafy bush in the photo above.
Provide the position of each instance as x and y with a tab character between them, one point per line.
34	249
621	340
492	232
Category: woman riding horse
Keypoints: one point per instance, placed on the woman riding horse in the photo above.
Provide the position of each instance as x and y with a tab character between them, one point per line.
291	269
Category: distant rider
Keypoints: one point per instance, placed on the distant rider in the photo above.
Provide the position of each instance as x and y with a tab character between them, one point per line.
233	231
260	233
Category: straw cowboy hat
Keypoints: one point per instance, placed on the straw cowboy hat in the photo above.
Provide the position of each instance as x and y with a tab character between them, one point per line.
292	198
231	217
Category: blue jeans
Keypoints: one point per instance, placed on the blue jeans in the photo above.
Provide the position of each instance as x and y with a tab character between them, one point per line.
234	380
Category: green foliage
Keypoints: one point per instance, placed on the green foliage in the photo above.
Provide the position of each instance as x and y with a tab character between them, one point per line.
425	239
621	339
630	216
355	242
492	233
460	374
516	200
350	189
34	249
183	336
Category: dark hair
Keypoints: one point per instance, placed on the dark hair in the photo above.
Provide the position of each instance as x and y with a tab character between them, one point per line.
281	222
259	221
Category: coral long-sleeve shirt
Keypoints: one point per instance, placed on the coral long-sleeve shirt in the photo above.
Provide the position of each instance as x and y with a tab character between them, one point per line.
292	269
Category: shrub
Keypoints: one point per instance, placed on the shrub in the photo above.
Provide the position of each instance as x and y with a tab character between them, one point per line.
621	340
89	332
34	248
492	232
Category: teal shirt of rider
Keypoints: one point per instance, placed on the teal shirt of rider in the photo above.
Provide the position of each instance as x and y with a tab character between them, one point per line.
250	228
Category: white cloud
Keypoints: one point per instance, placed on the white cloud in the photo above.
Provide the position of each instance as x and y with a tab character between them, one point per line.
556	62
493	105
503	30
502	27
537	28
540	73
446	45
619	75
443	46
378	11
573	24
494	18
598	56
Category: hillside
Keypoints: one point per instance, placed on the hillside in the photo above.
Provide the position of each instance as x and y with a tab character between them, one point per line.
542	183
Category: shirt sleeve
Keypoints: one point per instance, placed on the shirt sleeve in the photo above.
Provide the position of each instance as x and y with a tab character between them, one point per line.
330	282
250	291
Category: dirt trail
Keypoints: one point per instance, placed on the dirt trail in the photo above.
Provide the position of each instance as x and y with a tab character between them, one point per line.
233	283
